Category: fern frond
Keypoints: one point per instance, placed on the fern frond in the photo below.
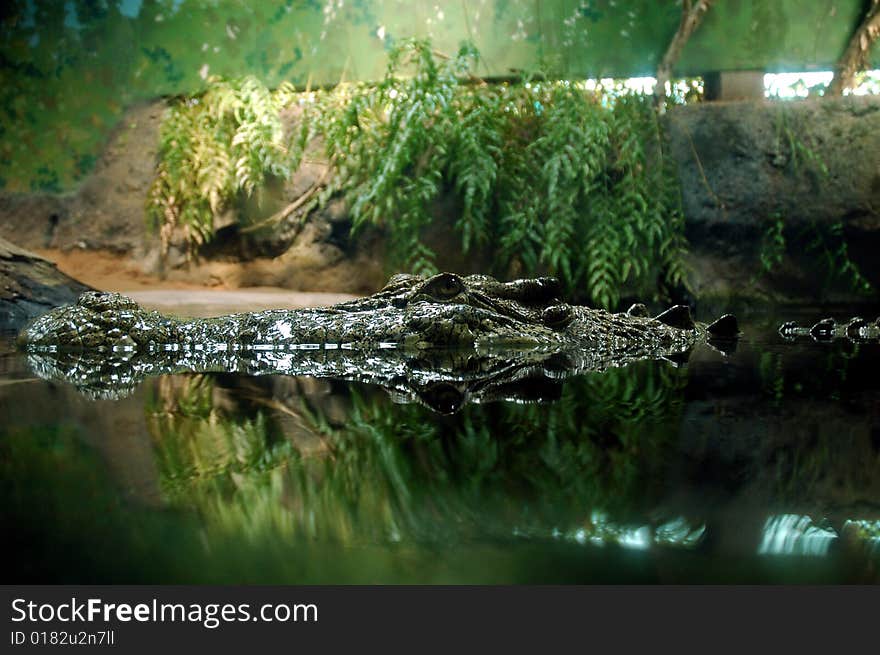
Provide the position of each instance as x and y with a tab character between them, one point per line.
556	178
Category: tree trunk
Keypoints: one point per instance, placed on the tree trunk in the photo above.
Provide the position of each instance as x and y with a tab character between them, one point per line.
855	57
691	16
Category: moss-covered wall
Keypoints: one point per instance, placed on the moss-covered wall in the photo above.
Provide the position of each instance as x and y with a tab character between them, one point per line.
68	69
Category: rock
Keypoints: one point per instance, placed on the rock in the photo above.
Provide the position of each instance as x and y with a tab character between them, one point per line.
33	219
811	164
107	210
30	286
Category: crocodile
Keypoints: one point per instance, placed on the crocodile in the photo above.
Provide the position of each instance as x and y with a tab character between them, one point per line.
473	334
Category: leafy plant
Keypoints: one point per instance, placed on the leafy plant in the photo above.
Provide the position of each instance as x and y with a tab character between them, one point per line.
555	176
214	146
828	241
802	155
397	473
773	244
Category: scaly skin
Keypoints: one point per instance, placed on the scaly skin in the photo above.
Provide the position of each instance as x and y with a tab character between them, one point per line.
409	312
474	334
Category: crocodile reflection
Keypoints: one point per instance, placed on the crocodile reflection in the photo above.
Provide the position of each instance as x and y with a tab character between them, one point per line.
443	341
856	329
443	380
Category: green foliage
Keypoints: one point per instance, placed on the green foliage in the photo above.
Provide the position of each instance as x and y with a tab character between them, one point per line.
828	242
213	147
773	244
196	440
553	176
772	375
389	472
801	153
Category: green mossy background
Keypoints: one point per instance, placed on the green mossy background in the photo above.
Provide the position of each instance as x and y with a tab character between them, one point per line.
69	69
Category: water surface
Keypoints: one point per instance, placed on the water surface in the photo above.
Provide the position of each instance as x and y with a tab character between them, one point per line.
761	465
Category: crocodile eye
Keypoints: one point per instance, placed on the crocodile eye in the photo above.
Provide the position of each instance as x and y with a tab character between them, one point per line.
557	317
444	286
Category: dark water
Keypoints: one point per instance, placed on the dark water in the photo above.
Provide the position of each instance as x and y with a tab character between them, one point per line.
759	466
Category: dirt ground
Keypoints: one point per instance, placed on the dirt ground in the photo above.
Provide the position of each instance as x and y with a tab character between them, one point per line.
110	272
97	232
295	271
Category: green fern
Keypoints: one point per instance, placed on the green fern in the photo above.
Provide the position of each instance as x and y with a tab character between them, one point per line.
829	242
554	177
773	244
213	147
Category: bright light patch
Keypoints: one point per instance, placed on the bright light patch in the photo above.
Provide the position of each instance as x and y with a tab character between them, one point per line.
790	534
795	85
801	85
643	85
679	532
638	539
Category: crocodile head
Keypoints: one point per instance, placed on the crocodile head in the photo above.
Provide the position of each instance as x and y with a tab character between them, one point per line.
412	312
451	310
97	321
445	338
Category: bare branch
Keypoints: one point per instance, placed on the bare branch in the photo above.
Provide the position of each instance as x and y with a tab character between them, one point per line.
292	207
692	14
855	57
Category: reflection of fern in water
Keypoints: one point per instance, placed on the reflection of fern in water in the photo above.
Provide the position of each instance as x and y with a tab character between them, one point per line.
832	462
399	473
552	176
197	440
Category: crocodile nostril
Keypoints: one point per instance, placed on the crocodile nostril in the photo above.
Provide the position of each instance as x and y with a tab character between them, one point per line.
824	329
854	327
